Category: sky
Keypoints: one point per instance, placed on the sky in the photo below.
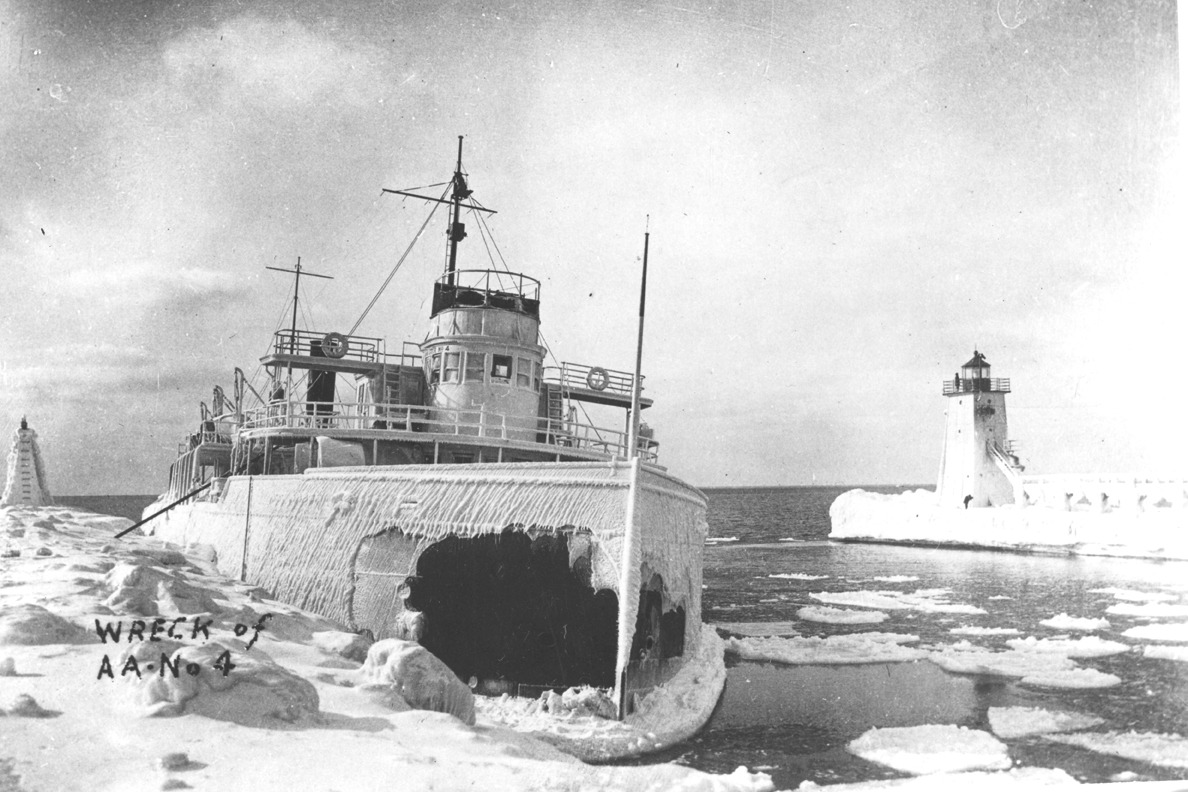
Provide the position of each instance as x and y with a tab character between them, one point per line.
844	200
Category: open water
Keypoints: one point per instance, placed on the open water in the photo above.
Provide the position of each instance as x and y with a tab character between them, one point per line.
794	721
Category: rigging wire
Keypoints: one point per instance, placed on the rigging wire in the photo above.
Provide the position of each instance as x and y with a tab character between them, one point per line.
392	274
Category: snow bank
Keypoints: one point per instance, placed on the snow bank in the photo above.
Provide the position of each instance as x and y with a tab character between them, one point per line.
1013	723
1062	621
279	720
827	615
835	650
923	750
923	600
1166	750
916	518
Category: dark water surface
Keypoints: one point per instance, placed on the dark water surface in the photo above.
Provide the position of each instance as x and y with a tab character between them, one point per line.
794	721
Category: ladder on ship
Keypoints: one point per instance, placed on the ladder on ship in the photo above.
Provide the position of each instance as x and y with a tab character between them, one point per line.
555	399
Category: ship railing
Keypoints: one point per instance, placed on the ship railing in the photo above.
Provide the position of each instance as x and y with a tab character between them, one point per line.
494	282
571	376
447	421
302	342
409	355
976	385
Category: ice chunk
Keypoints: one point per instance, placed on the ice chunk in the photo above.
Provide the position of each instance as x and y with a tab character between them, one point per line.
923	750
33	625
407	671
1012	723
1072	678
1089	646
924	600
834	650
964	658
1167	750
1179	653
759	628
256	692
1130	595
1176	633
1062	621
827	615
966	629
797	576
1149	610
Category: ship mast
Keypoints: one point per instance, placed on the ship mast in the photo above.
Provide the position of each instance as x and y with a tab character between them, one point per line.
457	231
296	272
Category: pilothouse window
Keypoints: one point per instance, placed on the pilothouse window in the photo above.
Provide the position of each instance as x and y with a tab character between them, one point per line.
452	364
476	363
501	367
523	373
433	366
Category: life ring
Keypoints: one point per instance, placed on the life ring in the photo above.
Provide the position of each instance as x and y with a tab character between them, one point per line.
598	379
334	345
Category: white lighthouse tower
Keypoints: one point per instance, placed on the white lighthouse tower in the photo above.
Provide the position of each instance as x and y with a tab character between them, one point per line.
978	467
26	474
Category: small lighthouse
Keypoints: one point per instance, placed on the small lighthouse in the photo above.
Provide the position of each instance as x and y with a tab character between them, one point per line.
978	468
26	474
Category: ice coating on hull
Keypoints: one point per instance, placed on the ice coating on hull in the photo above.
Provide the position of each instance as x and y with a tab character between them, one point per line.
306	538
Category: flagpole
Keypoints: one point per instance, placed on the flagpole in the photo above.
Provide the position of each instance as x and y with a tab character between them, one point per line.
633	438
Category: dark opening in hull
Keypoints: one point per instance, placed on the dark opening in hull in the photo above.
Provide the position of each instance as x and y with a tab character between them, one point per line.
509	607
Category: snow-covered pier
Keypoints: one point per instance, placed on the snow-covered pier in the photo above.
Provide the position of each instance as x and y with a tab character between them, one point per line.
983	499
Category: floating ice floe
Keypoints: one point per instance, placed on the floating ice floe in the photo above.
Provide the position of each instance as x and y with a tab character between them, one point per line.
1062	621
999	597
835	650
1088	646
1131	595
1174	633
1013	723
1149	610
1072	679
924	750
719	539
797	576
896	578
924	600
1179	653
827	615
759	628
1166	750
966	629
1049	669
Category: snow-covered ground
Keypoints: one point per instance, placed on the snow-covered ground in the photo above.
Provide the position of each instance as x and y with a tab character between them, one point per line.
298	708
915	518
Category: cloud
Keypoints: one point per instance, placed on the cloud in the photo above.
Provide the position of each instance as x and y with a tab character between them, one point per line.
255	59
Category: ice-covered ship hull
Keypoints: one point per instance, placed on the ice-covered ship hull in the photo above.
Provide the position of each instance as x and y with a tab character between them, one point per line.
519	575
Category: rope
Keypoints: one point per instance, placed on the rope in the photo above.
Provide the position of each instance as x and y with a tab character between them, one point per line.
392	274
